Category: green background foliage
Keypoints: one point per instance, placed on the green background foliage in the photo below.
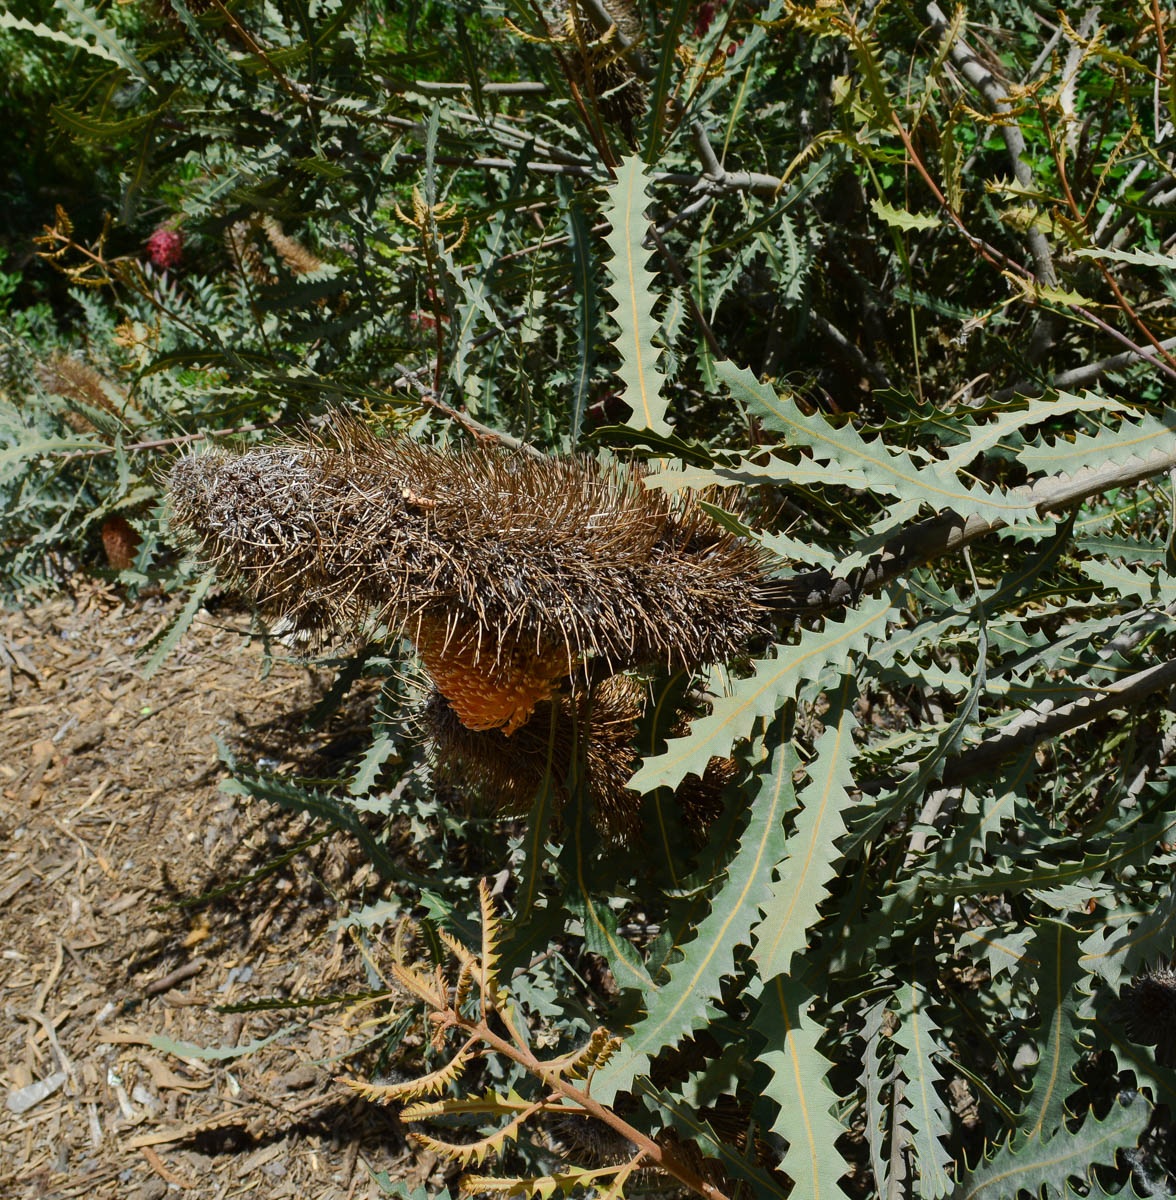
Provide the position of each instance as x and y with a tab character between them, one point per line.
896	285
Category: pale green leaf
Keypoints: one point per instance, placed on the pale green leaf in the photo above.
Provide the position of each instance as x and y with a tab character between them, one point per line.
772	681
884	469
928	1115
799	1088
1053	952
1036	1164
632	290
1138	258
899	218
811	859
1137	439
681	1004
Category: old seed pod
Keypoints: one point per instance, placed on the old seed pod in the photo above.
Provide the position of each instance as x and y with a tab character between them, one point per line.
505	773
510	571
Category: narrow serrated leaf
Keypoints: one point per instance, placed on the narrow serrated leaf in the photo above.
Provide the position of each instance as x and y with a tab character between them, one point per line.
1054	953
884	468
1031	1166
681	1004
632	290
799	1088
773	681
812	856
928	1113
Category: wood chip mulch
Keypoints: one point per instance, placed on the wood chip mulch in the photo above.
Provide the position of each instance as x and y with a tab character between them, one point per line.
109	810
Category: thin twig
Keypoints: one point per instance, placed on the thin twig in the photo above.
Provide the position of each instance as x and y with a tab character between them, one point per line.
482	432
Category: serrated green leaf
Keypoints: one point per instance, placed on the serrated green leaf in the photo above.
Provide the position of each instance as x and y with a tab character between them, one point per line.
215	1053
982	437
927	1112
681	1004
1131	440
171	636
883	468
632	290
83	126
773	680
1054	953
1131	582
105	37
1138	258
811	856
899	218
776	472
1033	1165
799	1088
1111	952
37	29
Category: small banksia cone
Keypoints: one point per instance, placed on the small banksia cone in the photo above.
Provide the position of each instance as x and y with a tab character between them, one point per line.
512	572
505	773
121	541
1148	1007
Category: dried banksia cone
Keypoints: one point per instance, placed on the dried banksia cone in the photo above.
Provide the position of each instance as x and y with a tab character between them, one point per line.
1148	1006
510	571
599	61
506	773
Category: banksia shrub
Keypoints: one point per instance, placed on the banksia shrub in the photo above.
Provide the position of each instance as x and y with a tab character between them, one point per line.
511	572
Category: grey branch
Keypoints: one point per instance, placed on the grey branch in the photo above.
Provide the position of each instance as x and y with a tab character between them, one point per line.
1084	375
979	76
1043	721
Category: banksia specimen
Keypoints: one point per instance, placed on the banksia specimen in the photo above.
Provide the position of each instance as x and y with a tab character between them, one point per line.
291	251
600	64
80	384
510	572
121	542
165	247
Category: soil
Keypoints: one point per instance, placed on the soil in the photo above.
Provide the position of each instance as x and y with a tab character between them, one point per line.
110	813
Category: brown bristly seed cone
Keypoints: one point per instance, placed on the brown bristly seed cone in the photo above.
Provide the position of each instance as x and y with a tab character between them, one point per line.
541	565
506	773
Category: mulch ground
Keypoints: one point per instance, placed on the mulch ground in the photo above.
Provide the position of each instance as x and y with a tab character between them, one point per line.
109	811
